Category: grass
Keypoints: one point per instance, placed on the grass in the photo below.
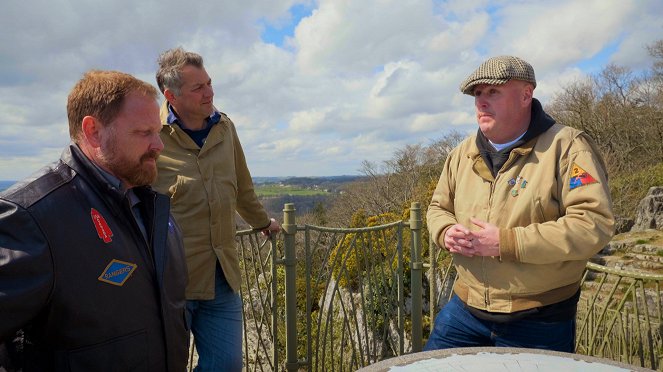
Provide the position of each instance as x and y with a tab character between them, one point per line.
280	190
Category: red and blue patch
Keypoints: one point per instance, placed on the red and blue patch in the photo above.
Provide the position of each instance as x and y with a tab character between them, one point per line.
117	272
580	177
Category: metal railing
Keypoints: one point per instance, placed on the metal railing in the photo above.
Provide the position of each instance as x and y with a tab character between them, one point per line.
619	316
338	299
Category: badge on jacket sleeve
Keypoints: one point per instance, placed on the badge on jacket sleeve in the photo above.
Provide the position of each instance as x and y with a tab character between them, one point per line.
579	177
117	272
103	230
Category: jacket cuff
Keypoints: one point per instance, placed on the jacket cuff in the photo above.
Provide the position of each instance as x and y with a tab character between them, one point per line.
269	222
440	238
508	245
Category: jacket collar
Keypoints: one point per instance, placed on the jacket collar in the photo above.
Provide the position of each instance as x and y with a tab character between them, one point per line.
173	118
74	157
216	134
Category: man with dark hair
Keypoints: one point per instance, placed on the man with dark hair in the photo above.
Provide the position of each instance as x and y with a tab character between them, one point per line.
522	206
91	263
204	171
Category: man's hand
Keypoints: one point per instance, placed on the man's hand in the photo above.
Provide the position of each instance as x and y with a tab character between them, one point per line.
274	227
485	241
458	239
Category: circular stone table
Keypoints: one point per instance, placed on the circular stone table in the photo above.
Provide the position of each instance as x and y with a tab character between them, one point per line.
497	359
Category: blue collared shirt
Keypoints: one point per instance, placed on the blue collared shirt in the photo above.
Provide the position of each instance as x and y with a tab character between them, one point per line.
198	136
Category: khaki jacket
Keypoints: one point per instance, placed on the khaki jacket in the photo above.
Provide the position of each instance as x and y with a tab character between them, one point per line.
550	224
206	186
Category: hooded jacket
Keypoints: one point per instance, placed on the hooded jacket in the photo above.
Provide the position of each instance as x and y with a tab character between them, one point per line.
551	202
88	289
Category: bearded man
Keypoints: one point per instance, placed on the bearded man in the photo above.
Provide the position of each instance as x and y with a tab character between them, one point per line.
92	269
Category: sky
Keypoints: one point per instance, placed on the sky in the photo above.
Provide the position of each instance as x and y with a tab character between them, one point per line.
314	87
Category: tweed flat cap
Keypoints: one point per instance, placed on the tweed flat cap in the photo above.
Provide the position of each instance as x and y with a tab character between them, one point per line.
497	71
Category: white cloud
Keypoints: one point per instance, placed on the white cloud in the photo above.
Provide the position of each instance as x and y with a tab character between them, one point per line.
346	37
307	121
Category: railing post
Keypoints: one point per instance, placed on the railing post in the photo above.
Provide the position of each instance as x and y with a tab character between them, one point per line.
275	294
416	267
401	291
432	280
289	230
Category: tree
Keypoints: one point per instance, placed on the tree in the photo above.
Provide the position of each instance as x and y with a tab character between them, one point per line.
623	113
391	186
319	214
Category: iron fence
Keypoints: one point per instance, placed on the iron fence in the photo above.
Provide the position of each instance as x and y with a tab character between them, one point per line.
337	299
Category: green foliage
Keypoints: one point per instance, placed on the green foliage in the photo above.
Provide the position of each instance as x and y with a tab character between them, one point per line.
271	190
628	189
359	253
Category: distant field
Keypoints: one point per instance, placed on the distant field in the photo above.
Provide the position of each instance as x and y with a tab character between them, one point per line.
278	190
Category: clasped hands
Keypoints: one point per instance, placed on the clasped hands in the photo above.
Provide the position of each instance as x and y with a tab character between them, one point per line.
482	242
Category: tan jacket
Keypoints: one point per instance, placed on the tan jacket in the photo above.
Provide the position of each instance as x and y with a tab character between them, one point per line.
206	186
548	228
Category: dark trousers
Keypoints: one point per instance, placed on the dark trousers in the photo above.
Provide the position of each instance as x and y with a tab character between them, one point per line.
455	326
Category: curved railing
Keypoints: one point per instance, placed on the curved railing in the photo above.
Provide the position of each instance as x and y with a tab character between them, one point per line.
619	316
354	306
619	312
258	257
337	299
328	299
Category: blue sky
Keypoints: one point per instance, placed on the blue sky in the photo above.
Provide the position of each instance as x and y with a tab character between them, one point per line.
314	87
277	32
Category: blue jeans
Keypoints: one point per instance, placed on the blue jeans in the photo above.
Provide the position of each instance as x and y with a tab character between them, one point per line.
217	328
455	326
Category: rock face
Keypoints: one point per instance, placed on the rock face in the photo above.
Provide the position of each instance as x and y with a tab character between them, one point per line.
623	224
649	214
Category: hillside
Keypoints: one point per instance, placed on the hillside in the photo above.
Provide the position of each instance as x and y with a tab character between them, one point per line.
328	183
305	192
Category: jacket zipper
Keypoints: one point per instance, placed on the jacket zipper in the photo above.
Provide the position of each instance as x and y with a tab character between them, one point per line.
151	234
486	297
506	165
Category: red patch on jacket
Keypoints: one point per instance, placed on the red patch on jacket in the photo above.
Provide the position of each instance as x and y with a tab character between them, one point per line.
101	225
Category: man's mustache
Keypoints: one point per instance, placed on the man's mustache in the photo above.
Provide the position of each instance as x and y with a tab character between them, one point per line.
152	154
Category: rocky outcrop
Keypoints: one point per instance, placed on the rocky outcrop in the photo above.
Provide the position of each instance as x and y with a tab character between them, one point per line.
638	244
649	214
623	224
634	251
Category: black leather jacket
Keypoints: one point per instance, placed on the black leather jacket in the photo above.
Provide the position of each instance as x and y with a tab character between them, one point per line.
89	291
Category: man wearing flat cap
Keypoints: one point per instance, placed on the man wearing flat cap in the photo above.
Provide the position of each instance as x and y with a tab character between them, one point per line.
522	205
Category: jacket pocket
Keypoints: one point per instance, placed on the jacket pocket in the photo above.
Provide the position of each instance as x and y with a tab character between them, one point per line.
120	354
540	216
181	186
